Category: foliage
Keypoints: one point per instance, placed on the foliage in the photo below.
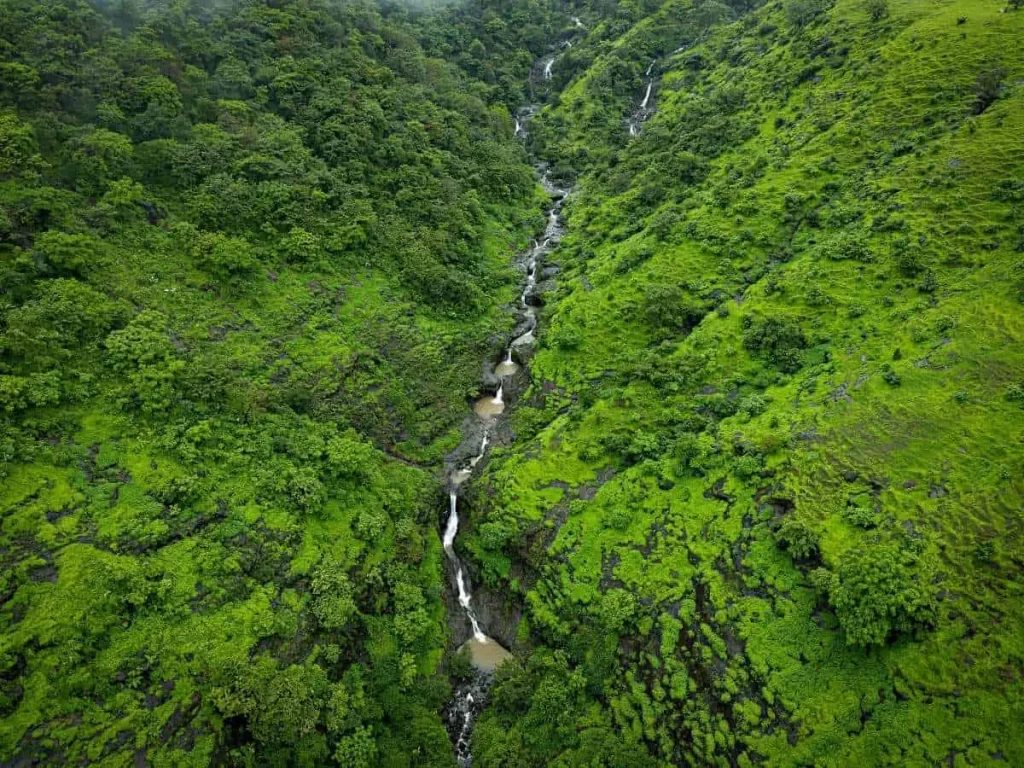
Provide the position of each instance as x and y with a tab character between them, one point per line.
880	590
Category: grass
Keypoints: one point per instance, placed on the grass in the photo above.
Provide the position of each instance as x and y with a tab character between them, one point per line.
881	141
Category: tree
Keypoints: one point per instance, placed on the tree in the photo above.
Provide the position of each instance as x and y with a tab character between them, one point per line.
145	356
800	13
667	309
877	9
798	538
97	158
18	148
777	338
333	604
881	590
987	88
71	255
357	750
229	259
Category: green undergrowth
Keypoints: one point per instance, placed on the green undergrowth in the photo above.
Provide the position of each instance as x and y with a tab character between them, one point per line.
768	487
251	258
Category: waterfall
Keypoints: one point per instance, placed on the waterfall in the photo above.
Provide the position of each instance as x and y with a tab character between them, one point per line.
464	602
450	529
644	110
483	449
647	96
452	526
470	696
576	22
547	68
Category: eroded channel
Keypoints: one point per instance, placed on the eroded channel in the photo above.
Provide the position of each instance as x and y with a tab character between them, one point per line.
485	652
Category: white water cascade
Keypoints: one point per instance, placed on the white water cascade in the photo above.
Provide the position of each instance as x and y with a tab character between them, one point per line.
645	109
486	652
547	68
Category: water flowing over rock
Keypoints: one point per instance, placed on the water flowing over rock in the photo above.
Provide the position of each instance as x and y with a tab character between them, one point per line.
487	653
646	108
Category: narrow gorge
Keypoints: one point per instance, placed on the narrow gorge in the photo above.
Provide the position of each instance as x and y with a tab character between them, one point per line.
485	652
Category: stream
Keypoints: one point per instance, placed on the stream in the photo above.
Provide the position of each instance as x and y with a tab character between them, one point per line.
646	109
487	653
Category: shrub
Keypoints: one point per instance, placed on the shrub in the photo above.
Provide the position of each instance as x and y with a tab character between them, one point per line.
987	88
1015	394
753	405
747	467
797	538
800	13
845	246
665	309
877	9
880	590
779	339
929	283
861	517
228	259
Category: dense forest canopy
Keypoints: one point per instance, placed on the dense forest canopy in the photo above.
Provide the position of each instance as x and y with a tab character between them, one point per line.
759	497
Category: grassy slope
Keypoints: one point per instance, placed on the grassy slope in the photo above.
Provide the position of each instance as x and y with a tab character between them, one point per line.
880	141
89	508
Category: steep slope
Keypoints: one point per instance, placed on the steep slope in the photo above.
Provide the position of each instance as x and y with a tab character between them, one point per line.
765	507
250	259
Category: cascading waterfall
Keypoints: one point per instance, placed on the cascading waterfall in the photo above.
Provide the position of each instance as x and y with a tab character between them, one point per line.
645	109
647	97
487	653
547	68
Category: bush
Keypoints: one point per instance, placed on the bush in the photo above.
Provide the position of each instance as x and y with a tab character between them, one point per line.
779	339
665	308
880	591
800	13
227	259
987	89
797	538
877	9
861	517
844	246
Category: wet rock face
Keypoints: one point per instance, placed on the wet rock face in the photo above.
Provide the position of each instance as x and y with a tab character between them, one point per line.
465	706
500	615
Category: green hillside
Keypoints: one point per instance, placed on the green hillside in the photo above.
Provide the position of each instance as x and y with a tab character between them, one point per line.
768	488
757	496
250	259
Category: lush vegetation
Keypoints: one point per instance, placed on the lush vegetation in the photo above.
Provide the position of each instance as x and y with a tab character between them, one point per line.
763	505
250	260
